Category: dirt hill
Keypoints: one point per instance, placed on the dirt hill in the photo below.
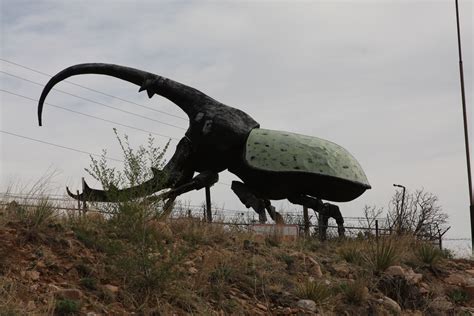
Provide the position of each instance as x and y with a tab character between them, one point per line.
130	263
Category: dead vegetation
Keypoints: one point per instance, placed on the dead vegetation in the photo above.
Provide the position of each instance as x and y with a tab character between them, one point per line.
130	262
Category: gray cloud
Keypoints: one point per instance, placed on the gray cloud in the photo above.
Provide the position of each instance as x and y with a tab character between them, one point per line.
379	78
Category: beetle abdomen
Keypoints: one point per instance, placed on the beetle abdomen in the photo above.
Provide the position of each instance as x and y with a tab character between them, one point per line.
277	151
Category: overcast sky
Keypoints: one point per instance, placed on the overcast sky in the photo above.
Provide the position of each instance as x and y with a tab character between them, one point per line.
379	78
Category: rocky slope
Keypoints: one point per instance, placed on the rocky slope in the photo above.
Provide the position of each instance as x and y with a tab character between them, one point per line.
90	266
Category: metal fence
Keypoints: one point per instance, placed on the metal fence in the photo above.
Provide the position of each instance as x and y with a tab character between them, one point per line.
355	227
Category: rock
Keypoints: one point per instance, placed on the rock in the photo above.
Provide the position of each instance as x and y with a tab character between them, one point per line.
192	270
53	288
391	305
115	309
73	274
441	305
342	270
470	271
298	254
307	304
316	271
412	277
112	288
32	275
40	264
395	270
456	279
424	285
423	291
30	306
262	307
70	294
189	263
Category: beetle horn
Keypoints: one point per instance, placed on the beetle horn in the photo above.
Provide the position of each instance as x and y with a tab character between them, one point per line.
187	98
113	194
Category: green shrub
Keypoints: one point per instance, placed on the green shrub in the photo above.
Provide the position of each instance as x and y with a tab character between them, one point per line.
67	307
428	254
354	292
382	255
458	296
447	253
289	260
221	274
351	253
316	291
89	283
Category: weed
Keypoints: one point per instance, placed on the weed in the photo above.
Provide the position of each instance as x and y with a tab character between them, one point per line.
89	283
67	307
274	240
428	254
316	291
289	260
447	253
354	292
40	214
407	295
83	269
382	255
351	253
221	274
458	296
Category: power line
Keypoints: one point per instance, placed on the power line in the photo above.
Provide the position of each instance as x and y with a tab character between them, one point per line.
60	146
87	88
88	115
96	91
96	102
73	149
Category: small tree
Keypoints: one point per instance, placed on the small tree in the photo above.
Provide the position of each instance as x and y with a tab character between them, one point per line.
371	214
137	166
421	214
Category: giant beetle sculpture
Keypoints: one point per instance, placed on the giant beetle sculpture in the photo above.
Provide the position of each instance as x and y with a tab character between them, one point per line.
272	165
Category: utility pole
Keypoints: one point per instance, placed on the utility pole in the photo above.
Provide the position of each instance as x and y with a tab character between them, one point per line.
402	210
466	134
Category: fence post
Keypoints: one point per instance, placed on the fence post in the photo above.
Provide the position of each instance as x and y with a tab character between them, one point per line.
84	205
306	221
78	203
208	204
377	230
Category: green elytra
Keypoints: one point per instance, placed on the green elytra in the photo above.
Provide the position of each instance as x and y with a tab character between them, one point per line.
280	151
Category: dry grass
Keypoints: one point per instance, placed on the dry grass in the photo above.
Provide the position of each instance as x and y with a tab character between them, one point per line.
192	267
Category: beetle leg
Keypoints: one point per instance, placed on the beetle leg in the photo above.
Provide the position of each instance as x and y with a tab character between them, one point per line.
276	217
248	198
325	211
